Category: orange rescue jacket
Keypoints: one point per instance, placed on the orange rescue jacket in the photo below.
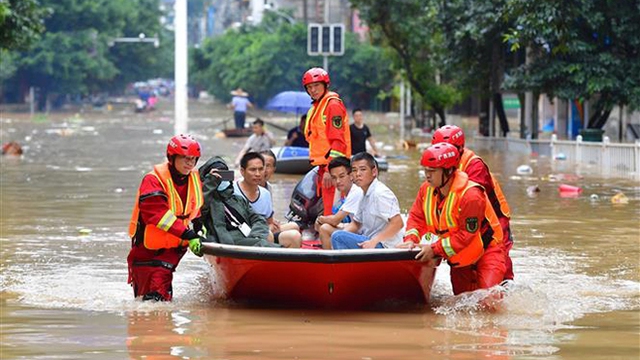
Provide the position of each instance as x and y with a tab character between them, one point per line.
466	158
156	236
448	222
315	131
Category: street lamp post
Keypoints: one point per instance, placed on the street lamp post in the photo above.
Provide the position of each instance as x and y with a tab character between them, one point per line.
181	111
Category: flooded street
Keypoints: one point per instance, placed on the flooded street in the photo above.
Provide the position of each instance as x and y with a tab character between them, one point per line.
65	207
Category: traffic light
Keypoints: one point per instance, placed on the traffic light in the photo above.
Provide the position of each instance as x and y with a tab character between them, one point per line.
337	39
325	39
313	39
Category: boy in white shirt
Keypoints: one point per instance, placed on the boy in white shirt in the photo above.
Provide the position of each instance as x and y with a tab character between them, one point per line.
345	203
377	223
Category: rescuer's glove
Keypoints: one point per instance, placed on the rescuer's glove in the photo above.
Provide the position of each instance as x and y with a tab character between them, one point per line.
195	245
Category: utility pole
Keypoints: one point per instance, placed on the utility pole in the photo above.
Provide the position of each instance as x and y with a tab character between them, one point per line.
402	109
181	68
305	11
528	104
325	58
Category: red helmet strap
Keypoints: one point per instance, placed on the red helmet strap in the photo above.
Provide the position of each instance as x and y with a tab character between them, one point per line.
449	175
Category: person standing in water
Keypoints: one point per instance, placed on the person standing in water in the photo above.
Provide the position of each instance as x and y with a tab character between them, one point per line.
165	220
454	213
478	171
240	103
360	134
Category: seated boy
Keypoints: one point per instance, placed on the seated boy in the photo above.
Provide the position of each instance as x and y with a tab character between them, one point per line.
346	203
377	223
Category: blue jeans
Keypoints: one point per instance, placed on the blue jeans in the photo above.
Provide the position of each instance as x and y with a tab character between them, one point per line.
347	240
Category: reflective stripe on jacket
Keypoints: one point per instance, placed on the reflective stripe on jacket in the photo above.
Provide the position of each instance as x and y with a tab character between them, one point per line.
467	156
156	236
315	132
449	222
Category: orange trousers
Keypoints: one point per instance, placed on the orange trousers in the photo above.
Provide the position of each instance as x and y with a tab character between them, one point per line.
487	272
327	194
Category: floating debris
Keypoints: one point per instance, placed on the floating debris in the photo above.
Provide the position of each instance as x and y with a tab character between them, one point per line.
619	198
569	191
560	156
532	191
524	170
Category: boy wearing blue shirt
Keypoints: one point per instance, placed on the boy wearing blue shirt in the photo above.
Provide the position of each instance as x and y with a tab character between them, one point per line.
345	204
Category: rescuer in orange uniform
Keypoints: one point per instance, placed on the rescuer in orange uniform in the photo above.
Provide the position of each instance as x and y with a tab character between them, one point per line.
326	129
478	172
454	212
167	205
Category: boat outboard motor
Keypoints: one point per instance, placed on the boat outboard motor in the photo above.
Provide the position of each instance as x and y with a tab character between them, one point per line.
305	204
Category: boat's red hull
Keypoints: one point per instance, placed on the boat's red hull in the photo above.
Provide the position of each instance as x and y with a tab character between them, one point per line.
333	283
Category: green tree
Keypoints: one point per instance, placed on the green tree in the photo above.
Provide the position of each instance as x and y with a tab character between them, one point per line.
141	61
73	56
476	55
272	57
21	22
580	49
411	28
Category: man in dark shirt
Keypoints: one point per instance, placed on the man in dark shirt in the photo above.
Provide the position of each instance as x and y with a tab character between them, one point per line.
360	134
295	136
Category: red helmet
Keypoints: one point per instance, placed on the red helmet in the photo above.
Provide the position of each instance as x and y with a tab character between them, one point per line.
451	134
315	75
442	155
185	145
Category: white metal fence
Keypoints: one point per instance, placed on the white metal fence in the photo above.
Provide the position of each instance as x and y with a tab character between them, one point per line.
603	158
606	158
540	147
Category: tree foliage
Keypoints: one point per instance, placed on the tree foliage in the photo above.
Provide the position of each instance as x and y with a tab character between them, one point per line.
272	57
21	22
580	49
411	28
73	55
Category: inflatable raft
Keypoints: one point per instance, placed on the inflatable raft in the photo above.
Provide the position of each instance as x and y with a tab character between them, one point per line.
339	279
295	160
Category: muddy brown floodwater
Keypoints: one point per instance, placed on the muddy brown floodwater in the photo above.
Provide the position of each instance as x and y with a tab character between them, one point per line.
66	202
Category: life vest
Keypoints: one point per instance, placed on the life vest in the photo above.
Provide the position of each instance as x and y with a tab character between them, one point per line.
315	132
503	206
448	224
156	236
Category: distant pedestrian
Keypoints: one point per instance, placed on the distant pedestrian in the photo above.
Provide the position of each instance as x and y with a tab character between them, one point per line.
240	103
360	134
295	136
261	140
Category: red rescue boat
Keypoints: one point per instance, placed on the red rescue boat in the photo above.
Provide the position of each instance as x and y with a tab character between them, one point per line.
340	279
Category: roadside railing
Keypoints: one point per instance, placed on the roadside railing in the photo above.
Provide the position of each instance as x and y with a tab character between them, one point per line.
602	158
522	146
605	158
